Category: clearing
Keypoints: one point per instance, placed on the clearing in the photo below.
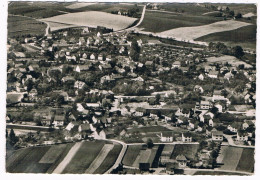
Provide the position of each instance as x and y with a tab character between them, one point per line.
93	19
230	59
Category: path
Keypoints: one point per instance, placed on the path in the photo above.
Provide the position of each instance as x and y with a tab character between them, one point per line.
100	158
120	156
59	169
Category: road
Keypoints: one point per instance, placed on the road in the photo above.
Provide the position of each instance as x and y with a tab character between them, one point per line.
231	142
120	156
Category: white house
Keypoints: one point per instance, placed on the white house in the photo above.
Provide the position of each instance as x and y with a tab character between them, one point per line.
166	136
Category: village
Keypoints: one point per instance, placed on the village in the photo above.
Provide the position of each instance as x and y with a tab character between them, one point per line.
89	84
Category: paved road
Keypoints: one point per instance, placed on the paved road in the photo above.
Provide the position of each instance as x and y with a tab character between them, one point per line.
120	156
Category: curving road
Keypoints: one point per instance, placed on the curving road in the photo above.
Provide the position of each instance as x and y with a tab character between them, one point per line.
120	156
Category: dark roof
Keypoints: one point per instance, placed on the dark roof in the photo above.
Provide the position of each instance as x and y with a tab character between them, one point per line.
181	158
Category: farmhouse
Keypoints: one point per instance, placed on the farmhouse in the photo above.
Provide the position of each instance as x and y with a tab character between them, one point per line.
242	135
166	136
217	135
186	137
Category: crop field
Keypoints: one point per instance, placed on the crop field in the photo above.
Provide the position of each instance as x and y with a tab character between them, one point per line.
73	158
28	161
79	5
23	26
160	21
93	19
131	154
84	157
244	36
145	156
246	162
191	33
237	159
188	150
109	160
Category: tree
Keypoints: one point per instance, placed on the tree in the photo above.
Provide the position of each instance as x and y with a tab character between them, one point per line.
238	16
6	134
157	98
149	143
238	51
60	100
12	136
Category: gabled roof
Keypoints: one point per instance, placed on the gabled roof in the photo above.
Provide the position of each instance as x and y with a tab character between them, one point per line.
181	158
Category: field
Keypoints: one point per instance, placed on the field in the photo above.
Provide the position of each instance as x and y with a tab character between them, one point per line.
23	26
135	155
131	154
188	150
236	159
191	33
93	19
79	5
84	157
109	160
244	36
57	26
160	21
74	158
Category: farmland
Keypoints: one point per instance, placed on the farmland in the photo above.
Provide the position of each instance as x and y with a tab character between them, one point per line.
237	159
149	129
24	26
244	36
131	154
61	159
191	33
93	19
160	21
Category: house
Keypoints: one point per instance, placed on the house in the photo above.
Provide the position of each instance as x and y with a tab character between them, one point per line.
246	124
186	137
217	135
182	161
83	68
213	74
46	120
198	88
33	95
176	64
242	135
99	134
140	111
234	127
201	77
166	136
58	120
203	105
79	84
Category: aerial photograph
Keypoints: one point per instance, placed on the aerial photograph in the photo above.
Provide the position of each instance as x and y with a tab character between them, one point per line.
145	88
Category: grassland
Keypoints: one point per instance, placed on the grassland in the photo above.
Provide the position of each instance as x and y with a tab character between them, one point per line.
149	129
24	26
244	36
160	21
93	19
